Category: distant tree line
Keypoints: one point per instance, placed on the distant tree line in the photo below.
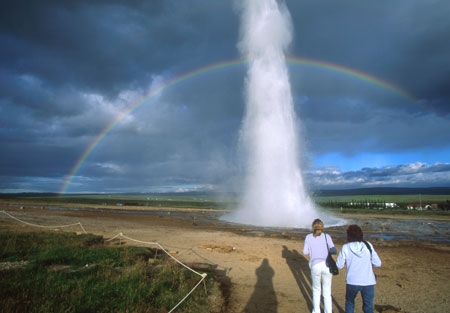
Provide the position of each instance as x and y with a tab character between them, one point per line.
376	204
444	206
360	204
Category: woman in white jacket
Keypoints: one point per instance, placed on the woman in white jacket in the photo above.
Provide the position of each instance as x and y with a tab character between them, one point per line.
359	256
316	247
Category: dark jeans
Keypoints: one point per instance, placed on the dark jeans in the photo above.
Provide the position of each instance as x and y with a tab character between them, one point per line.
367	293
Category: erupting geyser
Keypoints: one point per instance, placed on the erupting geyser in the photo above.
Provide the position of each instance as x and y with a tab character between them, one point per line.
274	192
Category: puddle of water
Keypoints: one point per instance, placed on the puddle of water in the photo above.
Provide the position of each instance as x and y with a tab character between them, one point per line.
386	236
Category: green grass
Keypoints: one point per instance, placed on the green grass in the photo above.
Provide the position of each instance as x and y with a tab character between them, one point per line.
362	203
163	201
210	202
79	273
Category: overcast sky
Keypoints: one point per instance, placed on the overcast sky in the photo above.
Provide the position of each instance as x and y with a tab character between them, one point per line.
70	68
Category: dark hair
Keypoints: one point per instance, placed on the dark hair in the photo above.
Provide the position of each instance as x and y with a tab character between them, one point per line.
354	233
317	221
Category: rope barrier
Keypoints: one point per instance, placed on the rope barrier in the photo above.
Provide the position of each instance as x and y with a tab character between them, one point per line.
203	276
35	225
155	243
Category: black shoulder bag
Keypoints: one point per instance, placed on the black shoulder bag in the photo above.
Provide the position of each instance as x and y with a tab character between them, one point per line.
330	261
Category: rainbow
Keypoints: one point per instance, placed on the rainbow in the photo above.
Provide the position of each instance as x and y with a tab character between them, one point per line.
355	73
216	66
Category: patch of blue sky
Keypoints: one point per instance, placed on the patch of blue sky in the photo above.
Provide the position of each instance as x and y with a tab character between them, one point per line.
370	160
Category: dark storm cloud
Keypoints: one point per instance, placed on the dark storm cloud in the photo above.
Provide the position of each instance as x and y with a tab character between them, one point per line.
351	125
107	45
404	42
64	65
69	68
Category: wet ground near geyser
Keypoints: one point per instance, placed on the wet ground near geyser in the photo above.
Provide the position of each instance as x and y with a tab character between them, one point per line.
375	228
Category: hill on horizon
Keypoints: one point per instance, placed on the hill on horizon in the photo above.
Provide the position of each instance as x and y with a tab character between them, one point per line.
314	193
381	191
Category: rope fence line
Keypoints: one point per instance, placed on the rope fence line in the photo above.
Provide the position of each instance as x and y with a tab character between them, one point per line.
203	276
42	226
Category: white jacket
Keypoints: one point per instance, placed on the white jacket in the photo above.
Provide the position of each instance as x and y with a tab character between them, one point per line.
357	257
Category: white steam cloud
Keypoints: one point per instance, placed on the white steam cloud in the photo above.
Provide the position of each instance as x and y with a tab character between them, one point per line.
274	192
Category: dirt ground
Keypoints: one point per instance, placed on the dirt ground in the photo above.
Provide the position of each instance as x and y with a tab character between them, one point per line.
268	273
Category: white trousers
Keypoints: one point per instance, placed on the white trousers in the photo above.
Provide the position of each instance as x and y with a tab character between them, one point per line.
320	272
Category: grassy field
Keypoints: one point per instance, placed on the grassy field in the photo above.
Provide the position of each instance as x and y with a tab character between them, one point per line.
48	272
208	201
163	201
390	212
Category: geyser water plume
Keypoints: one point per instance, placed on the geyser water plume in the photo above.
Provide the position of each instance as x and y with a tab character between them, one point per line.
274	193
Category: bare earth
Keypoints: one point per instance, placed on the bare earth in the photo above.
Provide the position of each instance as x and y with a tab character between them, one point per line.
268	273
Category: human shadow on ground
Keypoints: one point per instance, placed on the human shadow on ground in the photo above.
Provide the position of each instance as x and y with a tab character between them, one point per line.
299	267
263	298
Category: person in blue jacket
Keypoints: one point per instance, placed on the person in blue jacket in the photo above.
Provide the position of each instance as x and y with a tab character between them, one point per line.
359	256
316	246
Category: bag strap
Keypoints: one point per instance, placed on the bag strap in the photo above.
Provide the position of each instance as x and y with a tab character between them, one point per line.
326	241
368	247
